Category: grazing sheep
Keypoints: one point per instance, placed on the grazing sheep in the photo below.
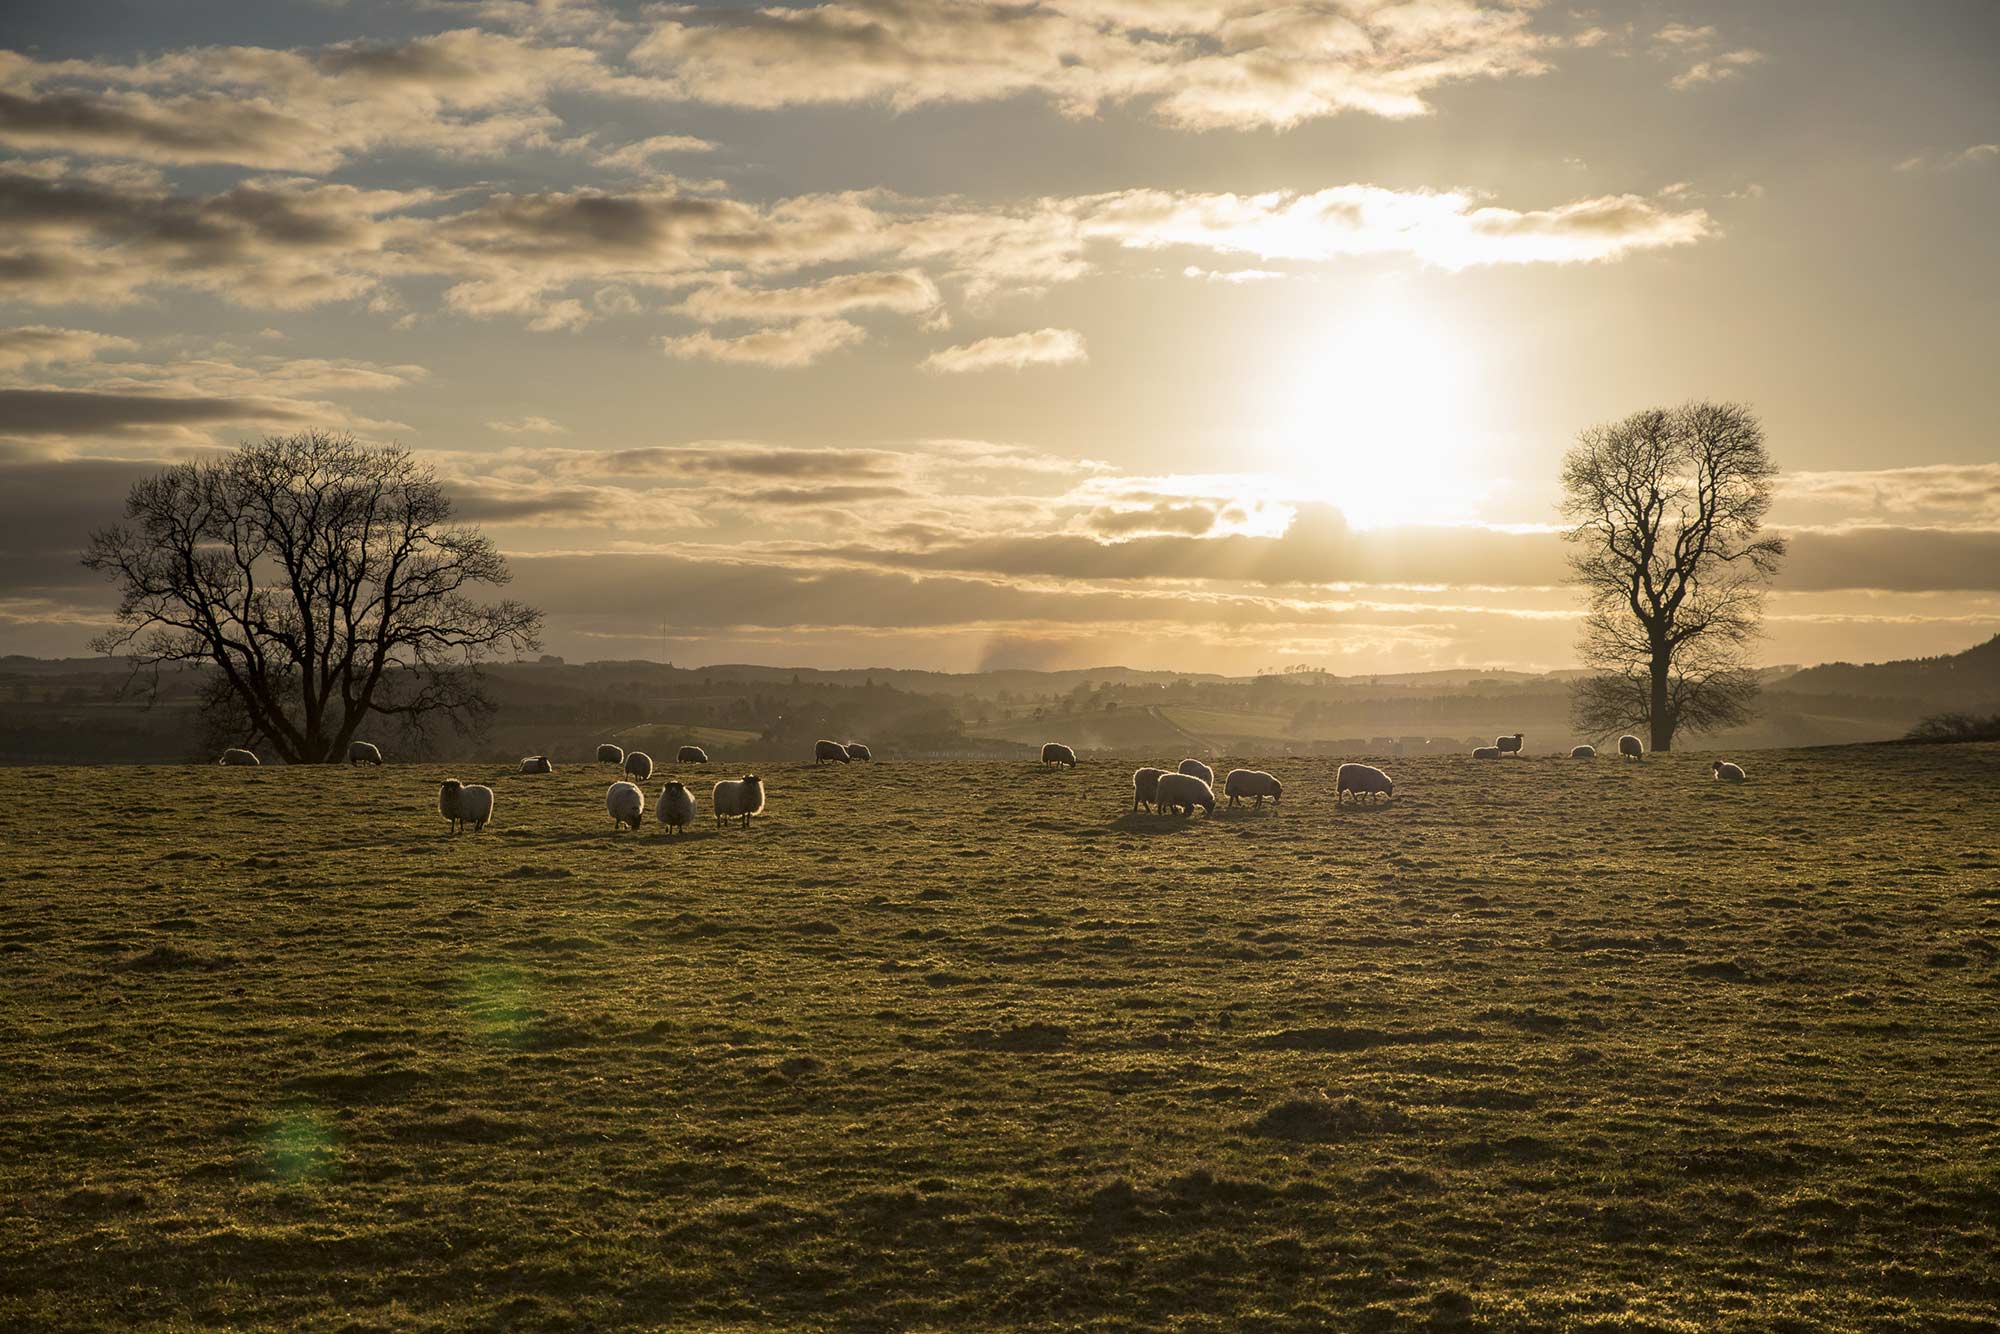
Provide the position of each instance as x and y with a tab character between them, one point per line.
1145	787
639	765
536	764
734	797
1251	783
1181	793
1196	769
1365	780
610	754
676	809
1583	752
626	803
1057	753
857	751
691	755
1509	745
1486	753
238	755
1629	748
465	805
1725	772
824	751
364	752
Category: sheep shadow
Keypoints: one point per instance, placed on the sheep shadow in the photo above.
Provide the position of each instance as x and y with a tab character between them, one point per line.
1146	822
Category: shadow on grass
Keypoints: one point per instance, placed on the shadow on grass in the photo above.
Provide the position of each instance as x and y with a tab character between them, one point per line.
1145	822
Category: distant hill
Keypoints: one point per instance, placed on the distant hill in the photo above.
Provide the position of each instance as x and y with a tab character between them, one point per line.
1958	680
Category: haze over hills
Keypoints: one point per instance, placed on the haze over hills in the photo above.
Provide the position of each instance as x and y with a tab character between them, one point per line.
82	710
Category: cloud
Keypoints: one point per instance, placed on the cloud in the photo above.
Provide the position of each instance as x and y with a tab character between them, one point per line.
639	156
1680	41
1934	495
528	426
1728	65
793	345
42	344
1043	347
908	292
750	460
68	412
1974	156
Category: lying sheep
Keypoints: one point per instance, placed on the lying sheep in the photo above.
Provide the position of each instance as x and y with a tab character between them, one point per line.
638	765
1365	780
1145	787
1509	745
238	755
1629	748
1057	753
676	809
536	764
626	803
825	751
1196	769
691	755
610	754
465	805
1486	753
1181	793
734	797
857	751
1583	752
1251	783
364	752
1725	772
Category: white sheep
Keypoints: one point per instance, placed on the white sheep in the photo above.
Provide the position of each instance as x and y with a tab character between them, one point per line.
610	754
536	764
1486	753
857	751
1196	769
626	803
464	804
1363	780
238	755
1629	748
1509	745
638	764
1725	772
1145	787
691	755
676	808
829	751
1057	753
734	797
1583	752
364	752
1251	783
1181	793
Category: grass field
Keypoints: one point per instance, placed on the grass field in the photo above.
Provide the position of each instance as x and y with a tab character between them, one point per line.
1540	1044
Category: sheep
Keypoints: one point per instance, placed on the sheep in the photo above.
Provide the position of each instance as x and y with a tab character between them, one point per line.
626	803
857	751
638	765
1725	772
1486	753
1364	780
465	805
364	752
1145	787
1196	769
1181	793
536	764
1057	753
1252	783
1629	748
735	797
610	754
238	755
1583	752
1509	745
824	751
691	755
676	809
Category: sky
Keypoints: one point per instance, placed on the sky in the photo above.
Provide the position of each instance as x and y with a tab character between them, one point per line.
1202	334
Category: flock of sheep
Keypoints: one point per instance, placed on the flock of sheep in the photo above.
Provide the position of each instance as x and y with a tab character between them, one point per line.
1179	792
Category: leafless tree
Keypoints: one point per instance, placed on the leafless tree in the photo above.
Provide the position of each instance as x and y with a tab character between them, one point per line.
1669	507
320	582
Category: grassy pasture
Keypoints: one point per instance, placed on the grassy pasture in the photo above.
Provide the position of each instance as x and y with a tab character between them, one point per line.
1542	1044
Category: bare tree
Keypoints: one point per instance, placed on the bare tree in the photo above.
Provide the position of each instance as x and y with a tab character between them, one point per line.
320	581
1669	509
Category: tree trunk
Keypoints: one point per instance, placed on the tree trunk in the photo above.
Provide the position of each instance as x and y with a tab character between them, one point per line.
1656	713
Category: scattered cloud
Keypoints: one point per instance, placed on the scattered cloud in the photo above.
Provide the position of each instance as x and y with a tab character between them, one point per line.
1043	347
528	426
42	344
1694	48
788	346
908	292
1976	155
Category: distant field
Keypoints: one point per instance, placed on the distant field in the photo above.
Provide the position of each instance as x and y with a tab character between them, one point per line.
1541	1044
